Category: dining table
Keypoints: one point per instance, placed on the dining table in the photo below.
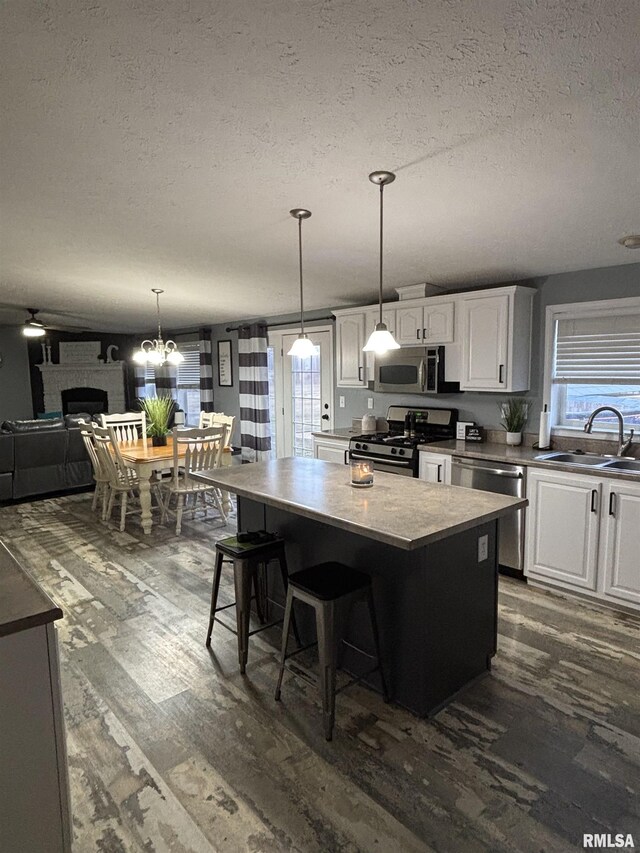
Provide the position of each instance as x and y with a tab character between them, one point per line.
146	459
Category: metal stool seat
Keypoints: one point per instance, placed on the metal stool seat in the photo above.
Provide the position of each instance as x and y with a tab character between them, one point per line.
325	587
247	558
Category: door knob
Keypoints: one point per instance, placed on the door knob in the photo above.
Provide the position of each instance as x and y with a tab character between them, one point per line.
325	417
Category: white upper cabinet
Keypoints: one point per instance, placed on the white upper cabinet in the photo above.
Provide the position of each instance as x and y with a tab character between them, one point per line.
488	335
425	324
496	340
350	338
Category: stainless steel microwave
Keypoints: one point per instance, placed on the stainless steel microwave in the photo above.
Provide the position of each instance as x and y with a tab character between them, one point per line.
412	370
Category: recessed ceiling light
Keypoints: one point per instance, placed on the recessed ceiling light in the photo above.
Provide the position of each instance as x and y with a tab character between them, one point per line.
630	242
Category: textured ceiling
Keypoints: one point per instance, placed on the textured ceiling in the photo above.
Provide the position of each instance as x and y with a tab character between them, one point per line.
161	144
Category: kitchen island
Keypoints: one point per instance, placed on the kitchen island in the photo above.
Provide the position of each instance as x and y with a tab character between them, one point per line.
431	550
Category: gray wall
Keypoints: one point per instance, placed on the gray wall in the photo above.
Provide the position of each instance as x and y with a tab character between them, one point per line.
15	381
579	286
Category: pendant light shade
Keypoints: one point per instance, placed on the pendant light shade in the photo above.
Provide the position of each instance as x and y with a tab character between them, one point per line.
158	352
33	328
381	340
302	347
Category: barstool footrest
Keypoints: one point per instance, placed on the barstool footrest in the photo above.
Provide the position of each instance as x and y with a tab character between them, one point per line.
359	650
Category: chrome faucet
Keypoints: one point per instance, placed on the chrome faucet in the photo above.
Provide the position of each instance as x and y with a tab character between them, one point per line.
622	444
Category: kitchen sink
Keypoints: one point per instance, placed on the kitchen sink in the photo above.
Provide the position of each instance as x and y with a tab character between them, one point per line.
574	459
631	465
586	460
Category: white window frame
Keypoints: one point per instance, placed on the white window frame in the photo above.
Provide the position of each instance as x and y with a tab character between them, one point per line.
573	311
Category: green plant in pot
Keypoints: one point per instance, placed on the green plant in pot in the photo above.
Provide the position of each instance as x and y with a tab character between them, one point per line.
514	413
158	411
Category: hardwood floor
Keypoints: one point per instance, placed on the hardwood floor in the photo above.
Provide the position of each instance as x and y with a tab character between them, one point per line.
171	749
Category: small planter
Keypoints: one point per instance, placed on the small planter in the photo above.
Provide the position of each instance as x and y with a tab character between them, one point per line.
514	438
161	440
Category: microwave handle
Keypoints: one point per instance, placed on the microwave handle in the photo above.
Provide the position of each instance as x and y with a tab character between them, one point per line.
421	374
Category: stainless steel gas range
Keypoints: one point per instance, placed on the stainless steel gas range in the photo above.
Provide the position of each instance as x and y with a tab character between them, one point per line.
397	451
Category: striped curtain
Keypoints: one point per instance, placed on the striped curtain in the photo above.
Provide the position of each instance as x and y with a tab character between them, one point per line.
166	381
255	429
206	371
138	382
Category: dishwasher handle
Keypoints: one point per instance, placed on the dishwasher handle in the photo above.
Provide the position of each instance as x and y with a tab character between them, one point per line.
499	472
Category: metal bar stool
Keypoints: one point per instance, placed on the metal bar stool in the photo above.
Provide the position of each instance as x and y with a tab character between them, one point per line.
247	558
324	587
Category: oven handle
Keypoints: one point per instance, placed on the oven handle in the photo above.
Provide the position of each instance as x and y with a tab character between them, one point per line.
499	472
383	461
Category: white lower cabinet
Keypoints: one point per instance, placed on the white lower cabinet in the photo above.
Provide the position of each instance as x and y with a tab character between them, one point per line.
330	449
583	533
435	467
621	546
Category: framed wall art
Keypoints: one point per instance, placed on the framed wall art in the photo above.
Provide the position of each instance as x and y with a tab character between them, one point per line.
225	364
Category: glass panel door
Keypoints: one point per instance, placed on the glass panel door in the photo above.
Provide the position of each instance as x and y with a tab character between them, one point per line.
307	386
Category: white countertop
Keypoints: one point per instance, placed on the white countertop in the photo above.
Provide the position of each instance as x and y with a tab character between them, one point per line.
401	511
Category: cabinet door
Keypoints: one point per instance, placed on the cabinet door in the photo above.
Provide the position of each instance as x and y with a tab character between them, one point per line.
330	451
485	323
562	527
349	355
409	325
437	323
435	467
621	552
371	318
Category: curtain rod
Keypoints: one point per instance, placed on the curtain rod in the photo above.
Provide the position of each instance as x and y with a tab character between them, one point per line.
284	323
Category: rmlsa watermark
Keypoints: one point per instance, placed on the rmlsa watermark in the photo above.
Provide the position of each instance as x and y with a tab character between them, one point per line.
604	840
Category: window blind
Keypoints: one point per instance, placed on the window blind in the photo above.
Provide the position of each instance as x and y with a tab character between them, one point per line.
189	370
598	349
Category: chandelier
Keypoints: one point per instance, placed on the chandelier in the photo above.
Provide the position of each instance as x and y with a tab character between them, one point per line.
158	352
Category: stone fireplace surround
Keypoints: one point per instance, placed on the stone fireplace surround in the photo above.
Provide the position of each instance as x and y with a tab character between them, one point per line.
57	378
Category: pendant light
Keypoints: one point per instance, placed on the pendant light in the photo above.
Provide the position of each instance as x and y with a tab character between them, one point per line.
33	328
381	340
157	352
302	347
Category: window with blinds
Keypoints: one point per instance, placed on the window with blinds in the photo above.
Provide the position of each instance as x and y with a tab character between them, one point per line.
187	381
596	363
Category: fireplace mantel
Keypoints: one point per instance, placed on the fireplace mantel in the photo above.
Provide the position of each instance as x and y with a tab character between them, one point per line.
59	377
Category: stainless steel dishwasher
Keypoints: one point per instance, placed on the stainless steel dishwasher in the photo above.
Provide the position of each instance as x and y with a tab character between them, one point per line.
505	479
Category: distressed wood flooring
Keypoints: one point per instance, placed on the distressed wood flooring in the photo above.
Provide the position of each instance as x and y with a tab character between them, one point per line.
170	749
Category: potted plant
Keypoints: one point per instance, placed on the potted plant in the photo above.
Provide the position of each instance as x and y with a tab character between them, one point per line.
158	411
514	416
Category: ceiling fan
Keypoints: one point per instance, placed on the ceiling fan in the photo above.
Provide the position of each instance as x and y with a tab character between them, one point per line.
34	327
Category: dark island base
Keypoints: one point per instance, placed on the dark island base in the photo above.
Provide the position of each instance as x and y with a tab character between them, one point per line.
436	605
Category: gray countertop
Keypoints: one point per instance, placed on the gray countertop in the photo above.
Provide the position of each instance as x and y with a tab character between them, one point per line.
400	511
23	604
343	433
517	456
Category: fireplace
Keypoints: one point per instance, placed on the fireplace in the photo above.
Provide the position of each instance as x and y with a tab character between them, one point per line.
93	401
103	378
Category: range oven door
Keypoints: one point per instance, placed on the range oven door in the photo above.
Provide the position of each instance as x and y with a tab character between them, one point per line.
405	467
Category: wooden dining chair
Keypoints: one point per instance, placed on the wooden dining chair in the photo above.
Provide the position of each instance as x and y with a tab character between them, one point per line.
202	449
100	475
128	426
123	480
209	419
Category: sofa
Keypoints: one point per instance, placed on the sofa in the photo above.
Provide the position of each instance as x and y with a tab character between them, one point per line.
42	456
